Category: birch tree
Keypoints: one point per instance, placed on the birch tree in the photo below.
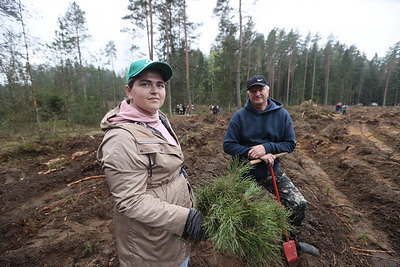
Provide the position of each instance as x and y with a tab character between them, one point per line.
28	65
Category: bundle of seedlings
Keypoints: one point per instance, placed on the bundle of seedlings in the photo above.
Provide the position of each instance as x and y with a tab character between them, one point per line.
241	217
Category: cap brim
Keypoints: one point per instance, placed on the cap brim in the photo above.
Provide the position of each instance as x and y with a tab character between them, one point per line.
262	84
163	68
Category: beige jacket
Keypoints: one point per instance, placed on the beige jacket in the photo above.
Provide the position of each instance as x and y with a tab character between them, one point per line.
151	194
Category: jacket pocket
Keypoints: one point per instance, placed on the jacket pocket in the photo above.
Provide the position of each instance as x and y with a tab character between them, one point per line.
157	146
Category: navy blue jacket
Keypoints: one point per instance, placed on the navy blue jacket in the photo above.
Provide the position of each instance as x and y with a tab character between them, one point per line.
272	128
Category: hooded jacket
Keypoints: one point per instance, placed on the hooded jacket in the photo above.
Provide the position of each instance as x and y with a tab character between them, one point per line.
151	193
272	128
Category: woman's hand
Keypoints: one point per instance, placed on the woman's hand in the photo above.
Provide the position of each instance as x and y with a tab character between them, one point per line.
194	225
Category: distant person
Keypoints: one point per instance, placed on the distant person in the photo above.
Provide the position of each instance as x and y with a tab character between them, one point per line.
211	107
215	110
259	130
188	110
344	109
143	163
338	106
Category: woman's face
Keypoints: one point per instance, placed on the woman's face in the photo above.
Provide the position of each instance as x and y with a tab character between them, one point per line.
148	92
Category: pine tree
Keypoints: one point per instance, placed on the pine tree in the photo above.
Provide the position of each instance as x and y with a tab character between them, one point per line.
239	216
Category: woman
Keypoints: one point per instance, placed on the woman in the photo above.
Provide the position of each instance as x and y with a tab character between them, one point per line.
142	160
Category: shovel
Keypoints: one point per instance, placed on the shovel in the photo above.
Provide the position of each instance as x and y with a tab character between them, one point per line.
289	247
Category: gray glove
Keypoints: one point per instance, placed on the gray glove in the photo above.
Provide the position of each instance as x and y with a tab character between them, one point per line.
194	227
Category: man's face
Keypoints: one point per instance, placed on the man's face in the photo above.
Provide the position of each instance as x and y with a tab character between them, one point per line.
258	96
148	92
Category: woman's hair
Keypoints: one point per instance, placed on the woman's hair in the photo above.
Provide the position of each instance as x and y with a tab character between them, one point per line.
131	82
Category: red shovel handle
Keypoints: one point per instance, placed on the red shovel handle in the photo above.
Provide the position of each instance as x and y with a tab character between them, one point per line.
278	198
271	170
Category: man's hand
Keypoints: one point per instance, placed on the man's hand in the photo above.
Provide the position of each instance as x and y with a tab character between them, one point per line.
269	159
256	152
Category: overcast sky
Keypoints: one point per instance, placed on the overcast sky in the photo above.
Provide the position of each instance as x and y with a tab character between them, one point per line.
371	25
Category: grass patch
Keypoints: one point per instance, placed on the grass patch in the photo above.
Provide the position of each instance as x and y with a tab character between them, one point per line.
88	248
363	238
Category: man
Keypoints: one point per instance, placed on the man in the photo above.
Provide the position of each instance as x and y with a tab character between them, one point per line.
258	131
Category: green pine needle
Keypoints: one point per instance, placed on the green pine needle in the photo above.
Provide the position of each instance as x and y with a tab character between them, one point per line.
241	218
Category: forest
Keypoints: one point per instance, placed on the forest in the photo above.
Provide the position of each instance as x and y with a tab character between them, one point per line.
69	94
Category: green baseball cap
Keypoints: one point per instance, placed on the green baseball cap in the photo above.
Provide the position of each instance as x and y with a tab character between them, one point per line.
138	66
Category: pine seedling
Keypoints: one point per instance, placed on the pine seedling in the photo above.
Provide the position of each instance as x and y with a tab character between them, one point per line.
241	218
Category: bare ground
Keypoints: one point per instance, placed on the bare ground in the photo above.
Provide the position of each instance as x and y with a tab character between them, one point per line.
347	166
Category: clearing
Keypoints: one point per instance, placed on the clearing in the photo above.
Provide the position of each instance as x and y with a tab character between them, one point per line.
347	167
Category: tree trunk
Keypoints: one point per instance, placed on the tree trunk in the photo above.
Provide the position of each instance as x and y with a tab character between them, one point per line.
271	71
327	69
169	94
386	86
148	36
101	92
302	97
189	99
68	93
359	91
293	88
151	30
313	76
29	71
279	79
288	80
248	62
239	62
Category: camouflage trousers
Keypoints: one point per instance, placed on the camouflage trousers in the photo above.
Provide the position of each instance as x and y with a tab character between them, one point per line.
290	197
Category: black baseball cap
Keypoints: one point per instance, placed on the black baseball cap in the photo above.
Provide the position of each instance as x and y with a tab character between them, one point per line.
256	80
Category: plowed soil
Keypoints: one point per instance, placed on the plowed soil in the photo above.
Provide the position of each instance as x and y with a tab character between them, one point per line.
347	167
